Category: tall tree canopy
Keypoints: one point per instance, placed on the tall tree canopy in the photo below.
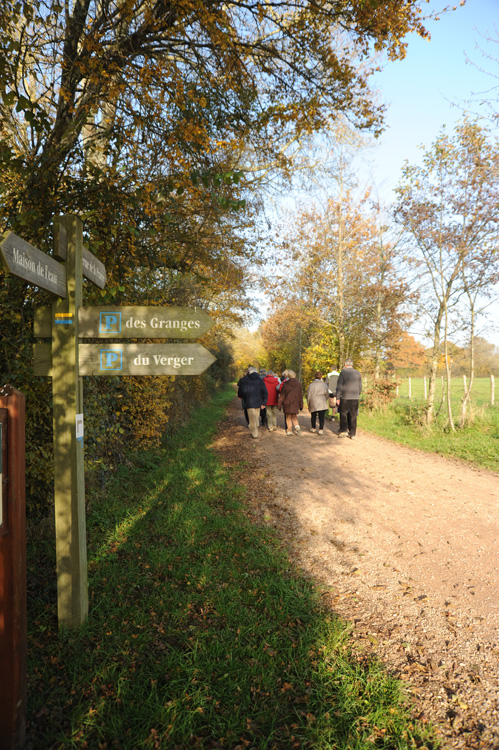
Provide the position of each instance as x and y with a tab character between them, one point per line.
339	276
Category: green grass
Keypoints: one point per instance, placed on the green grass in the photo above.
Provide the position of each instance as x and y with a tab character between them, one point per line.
200	633
476	443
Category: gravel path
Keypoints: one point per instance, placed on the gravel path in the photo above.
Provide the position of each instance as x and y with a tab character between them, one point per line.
404	545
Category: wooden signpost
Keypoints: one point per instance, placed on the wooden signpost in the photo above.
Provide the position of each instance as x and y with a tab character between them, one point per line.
69	476
66	360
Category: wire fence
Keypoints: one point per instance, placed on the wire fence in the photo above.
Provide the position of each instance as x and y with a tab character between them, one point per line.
416	388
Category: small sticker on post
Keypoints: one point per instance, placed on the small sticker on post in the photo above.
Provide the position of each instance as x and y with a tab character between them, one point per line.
79	427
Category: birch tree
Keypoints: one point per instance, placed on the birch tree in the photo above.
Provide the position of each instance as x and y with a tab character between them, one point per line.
449	208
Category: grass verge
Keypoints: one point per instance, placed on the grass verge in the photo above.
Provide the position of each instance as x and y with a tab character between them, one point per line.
401	421
200	634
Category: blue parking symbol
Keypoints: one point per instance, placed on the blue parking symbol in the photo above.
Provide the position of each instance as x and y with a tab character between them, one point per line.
110	322
111	359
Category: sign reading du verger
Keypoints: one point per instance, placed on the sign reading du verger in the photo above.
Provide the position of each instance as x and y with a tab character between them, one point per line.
144	359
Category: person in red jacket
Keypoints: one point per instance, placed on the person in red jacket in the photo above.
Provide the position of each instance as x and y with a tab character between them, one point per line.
271	383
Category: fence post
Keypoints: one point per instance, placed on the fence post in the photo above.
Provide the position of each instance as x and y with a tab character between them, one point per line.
410	388
464	383
492	389
424	387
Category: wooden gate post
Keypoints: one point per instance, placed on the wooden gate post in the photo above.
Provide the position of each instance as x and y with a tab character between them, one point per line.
69	478
12	572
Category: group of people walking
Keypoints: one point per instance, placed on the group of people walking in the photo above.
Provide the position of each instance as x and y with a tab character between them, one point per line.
262	394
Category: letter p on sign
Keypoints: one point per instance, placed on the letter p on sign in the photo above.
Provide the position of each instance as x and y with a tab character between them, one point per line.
110	322
111	359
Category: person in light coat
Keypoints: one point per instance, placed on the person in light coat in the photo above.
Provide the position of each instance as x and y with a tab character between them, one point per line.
317	400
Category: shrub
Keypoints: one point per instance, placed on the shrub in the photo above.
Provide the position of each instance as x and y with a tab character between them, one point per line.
412	413
379	393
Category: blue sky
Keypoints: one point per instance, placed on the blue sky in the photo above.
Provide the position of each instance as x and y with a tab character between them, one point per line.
432	86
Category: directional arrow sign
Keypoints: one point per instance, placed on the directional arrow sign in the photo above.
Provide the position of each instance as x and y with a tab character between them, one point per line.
127	322
93	269
131	359
143	359
27	262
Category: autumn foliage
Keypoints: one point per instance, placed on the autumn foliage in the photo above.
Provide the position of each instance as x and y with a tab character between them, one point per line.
155	123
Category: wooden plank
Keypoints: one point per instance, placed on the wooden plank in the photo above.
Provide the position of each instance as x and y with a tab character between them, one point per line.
144	359
60	239
93	269
27	262
42	359
42	322
130	322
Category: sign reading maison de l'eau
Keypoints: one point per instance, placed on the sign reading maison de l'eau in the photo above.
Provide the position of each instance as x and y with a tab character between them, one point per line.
27	262
22	259
131	322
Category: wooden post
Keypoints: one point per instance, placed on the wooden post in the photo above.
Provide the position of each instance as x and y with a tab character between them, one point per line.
397	386
492	389
410	389
69	479
424	387
464	383
13	638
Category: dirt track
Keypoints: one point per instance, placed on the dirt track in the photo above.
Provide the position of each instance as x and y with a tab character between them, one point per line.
405	545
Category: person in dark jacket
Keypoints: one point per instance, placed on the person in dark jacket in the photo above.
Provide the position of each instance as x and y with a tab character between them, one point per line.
263	411
253	394
291	401
348	390
242	400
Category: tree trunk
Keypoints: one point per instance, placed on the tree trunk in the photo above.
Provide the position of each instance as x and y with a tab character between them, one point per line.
448	370
432	381
340	288
467	391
